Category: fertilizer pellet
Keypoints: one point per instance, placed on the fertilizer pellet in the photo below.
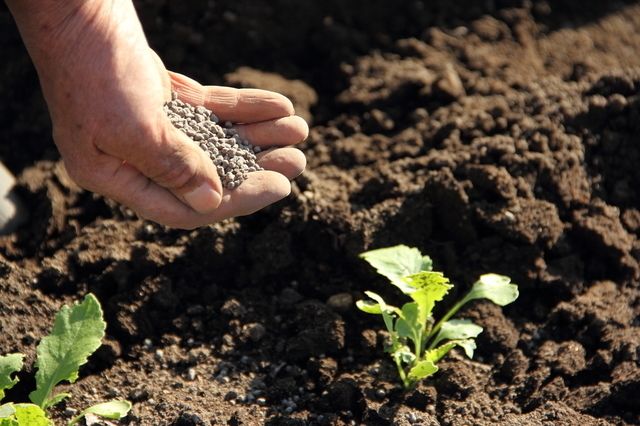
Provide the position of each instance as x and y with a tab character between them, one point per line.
233	156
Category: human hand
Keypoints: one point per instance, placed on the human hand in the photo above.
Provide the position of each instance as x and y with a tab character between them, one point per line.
105	89
266	119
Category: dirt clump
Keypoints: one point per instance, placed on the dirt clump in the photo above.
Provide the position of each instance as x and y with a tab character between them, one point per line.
495	136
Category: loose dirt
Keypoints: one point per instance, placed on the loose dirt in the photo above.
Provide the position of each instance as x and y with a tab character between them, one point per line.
496	136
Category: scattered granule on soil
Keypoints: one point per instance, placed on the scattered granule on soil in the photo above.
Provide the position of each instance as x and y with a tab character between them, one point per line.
233	155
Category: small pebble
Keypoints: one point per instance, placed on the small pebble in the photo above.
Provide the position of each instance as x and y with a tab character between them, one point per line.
412	418
191	374
195	310
340	302
112	392
289	296
510	217
70	412
257	331
139	394
189	419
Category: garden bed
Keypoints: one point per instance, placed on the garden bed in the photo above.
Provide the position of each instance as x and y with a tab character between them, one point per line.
498	138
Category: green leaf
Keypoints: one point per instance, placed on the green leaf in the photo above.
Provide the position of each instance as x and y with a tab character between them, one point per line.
494	287
381	304
427	264
435	355
7	415
407	325
397	262
468	345
9	421
421	370
369	307
428	279
9	364
385	310
31	415
54	400
429	288
114	410
7	410
403	355
77	333
457	329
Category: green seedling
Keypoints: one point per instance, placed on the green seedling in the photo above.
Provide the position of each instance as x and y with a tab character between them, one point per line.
77	333
417	341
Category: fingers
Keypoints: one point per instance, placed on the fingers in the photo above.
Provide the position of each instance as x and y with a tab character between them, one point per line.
279	132
289	162
235	105
151	201
169	179
258	191
125	184
171	160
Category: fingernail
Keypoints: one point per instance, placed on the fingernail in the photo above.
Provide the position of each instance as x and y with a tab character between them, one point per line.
203	199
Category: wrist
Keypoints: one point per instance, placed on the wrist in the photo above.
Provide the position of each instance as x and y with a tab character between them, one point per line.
48	26
74	44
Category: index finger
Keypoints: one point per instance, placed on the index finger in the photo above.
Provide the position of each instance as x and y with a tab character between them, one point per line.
230	104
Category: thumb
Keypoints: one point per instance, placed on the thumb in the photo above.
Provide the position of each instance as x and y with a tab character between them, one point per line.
170	159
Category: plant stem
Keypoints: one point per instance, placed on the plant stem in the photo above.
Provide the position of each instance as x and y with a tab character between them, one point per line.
403	375
76	419
446	317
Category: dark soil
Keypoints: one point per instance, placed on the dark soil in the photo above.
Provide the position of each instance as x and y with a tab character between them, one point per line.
496	136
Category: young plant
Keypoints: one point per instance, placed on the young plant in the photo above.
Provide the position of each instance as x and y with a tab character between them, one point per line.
418	342
77	333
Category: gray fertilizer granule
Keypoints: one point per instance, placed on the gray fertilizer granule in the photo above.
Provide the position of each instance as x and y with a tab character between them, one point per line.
233	156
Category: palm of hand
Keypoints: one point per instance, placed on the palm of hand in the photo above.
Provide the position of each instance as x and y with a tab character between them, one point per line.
115	139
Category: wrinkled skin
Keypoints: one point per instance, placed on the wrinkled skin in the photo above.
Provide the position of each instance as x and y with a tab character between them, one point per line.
105	89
